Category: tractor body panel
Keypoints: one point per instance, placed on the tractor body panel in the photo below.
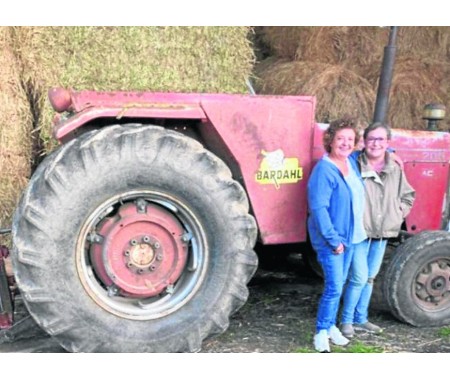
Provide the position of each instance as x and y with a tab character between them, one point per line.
268	137
273	142
426	156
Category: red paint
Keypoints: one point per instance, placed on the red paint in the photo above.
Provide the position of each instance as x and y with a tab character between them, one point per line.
249	125
141	252
426	156
241	129
60	99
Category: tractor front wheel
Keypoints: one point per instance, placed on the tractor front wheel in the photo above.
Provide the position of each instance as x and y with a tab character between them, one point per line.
133	239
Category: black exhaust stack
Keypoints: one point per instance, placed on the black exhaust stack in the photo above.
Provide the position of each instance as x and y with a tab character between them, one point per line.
384	85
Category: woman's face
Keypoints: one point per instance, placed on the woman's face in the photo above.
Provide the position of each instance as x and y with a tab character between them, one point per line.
343	143
376	143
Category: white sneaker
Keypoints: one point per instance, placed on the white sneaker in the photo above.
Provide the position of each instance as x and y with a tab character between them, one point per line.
336	337
321	343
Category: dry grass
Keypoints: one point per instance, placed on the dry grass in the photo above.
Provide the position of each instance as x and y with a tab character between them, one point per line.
33	59
283	41
356	47
338	91
420	77
179	59
430	42
353	47
15	129
415	83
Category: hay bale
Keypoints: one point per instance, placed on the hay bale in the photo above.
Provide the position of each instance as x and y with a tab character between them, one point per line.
415	83
189	59
338	91
351	46
15	129
283	41
430	42
354	47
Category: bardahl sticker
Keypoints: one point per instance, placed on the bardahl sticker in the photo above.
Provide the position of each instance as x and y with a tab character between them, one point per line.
277	170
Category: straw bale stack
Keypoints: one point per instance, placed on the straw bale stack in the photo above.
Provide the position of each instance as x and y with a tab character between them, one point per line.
338	91
420	76
430	42
15	132
354	47
189	59
283	41
415	83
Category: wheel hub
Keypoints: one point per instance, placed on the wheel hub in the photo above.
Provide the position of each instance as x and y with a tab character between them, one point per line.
139	251
433	284
140	255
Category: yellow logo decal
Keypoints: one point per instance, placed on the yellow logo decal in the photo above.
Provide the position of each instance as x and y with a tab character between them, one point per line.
275	169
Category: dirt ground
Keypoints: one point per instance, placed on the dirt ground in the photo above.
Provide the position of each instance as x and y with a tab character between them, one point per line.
278	318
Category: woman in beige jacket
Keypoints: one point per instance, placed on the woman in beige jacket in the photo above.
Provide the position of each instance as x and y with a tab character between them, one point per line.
388	199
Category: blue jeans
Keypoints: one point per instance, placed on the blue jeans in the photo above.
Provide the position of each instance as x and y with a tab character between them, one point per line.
365	265
335	270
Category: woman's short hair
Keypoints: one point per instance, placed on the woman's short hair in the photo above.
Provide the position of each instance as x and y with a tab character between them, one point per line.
377	125
345	122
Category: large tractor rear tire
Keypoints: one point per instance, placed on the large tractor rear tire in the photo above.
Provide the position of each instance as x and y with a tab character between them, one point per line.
133	239
417	280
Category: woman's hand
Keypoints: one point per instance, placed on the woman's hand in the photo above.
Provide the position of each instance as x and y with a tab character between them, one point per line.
339	249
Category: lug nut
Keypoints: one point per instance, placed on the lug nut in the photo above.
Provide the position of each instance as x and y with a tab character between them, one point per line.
186	237
159	257
127	253
157	245
146	239
133	242
141	205
94	238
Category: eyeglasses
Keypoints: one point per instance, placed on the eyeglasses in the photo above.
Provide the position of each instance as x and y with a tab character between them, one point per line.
372	140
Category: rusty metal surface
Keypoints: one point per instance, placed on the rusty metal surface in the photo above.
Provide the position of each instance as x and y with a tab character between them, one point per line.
274	142
269	137
427	166
139	251
271	140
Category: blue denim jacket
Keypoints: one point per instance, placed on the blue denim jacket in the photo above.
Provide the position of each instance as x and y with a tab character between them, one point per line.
330	220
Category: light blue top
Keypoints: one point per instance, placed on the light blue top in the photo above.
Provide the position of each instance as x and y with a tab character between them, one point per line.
358	202
358	205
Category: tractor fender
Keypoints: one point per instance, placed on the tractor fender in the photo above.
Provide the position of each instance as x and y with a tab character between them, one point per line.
64	129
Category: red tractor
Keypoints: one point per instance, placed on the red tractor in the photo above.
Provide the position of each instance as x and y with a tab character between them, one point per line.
137	234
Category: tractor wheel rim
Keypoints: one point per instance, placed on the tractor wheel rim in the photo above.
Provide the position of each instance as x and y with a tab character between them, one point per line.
431	288
141	255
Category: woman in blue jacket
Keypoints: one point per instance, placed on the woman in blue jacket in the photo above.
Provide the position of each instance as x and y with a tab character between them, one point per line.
335	222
